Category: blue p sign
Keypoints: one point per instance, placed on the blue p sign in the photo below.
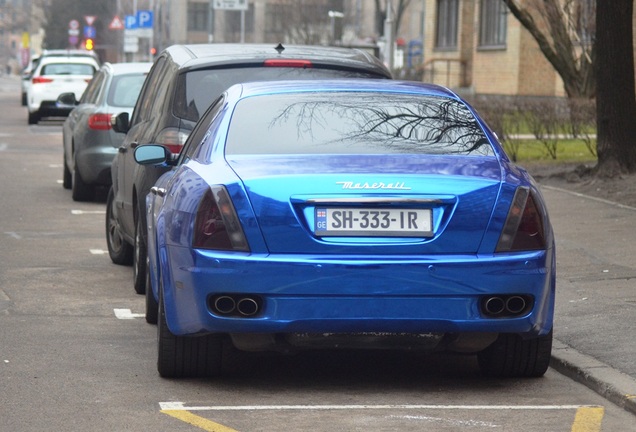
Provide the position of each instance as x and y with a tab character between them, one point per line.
131	22
144	19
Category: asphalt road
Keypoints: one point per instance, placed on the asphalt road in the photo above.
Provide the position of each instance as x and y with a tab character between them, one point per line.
77	355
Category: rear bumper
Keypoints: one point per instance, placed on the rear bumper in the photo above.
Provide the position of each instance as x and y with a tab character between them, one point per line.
94	164
49	108
312	294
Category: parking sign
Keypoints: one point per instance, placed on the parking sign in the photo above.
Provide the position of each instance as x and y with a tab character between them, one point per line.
145	19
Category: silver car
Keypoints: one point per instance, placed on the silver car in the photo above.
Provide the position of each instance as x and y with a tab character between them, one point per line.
90	144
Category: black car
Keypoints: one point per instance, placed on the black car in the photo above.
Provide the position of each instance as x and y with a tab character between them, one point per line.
182	84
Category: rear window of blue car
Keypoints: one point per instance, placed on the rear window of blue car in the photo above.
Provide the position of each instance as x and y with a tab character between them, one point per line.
355	123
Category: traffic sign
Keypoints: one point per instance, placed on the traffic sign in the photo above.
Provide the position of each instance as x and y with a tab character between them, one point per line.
116	24
144	19
131	44
89	32
231	5
130	22
90	19
73	24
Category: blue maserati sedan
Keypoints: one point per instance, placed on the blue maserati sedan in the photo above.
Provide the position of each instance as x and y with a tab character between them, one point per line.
349	214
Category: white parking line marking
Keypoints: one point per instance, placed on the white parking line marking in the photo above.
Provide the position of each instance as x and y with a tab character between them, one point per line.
174	406
55	165
3	146
83	212
97	251
126	314
13	234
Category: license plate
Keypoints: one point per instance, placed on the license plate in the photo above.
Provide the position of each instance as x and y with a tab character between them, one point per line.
373	222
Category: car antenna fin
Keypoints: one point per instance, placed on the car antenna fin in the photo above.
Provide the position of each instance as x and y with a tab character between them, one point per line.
280	48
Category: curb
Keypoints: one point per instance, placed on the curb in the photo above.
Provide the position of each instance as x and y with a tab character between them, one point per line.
615	386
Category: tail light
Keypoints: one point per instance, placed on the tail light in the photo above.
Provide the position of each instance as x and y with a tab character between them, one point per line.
99	121
41	80
524	229
287	63
217	226
172	138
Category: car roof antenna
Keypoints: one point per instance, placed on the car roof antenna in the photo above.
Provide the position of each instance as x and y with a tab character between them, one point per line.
280	48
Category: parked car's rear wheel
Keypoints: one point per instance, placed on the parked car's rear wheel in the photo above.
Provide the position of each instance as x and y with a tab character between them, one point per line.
139	261
512	356
23	99
186	356
152	307
81	190
34	117
67	178
120	251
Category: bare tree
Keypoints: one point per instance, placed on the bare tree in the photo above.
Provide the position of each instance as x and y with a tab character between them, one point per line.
615	97
380	14
590	45
564	31
304	22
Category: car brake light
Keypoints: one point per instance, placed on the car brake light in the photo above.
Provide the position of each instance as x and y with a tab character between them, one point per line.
41	80
99	121
524	229
172	138
288	63
216	225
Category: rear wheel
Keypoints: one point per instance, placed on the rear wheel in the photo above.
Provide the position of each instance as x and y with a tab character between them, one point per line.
34	118
186	356
67	179
120	251
512	356
139	261
152	307
81	190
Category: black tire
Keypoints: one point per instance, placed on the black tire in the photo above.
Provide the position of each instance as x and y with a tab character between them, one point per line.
512	356
152	307
81	191
23	99
139	257
186	356
119	250
67	179
34	118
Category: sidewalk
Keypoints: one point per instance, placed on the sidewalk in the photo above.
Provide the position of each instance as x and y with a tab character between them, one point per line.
595	316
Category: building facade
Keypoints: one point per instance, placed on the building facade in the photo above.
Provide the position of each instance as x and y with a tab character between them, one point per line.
475	46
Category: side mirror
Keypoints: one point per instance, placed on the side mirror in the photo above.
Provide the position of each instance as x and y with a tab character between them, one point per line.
152	154
66	100
120	122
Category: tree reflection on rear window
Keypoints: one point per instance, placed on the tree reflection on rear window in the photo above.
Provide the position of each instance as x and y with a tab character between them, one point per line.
355	123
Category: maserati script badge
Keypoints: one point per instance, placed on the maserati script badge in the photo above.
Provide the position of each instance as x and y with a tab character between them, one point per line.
376	185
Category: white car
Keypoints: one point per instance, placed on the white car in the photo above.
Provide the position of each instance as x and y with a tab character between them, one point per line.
54	76
28	71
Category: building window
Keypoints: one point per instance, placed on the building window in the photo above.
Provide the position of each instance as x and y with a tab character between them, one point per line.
447	22
274	21
233	20
198	16
492	23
